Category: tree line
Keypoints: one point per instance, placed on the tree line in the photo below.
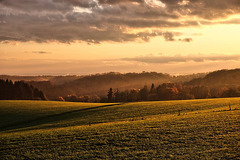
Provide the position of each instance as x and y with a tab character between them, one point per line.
165	91
170	91
19	91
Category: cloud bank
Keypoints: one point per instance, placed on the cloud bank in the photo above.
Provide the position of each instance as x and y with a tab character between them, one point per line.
164	64
180	59
95	21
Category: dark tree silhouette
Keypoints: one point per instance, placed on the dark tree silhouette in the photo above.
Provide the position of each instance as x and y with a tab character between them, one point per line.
133	95
143	93
171	91
117	96
19	91
110	95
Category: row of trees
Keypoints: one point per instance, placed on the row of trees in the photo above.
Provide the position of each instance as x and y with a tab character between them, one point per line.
86	98
19	91
170	91
166	91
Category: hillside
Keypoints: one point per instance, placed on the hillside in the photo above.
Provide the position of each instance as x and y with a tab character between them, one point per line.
100	83
205	129
56	80
219	78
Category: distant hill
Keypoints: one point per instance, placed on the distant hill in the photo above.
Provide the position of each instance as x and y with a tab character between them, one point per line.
229	78
98	84
56	80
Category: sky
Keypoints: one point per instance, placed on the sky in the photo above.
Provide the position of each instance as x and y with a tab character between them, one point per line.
68	37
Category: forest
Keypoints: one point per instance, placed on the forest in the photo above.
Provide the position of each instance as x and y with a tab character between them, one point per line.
19	90
55	86
170	91
217	84
163	92
129	87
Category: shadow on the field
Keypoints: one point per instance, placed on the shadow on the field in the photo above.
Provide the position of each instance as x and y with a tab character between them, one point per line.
49	118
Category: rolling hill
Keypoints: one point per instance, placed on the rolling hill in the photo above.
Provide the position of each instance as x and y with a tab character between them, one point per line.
205	129
99	84
219	78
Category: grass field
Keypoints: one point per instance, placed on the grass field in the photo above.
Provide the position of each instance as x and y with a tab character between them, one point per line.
205	129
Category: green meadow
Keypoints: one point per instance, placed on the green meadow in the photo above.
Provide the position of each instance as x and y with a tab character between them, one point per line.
183	129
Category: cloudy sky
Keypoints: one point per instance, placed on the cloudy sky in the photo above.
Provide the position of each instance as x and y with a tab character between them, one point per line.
59	37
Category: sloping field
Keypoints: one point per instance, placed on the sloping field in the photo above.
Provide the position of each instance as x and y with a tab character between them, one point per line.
205	129
19	114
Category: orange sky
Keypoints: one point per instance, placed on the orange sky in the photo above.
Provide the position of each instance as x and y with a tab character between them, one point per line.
87	37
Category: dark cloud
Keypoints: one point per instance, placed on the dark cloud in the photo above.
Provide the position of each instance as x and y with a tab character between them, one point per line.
80	3
29	6
186	40
66	32
119	1
168	36
94	21
215	8
41	52
7	38
179	58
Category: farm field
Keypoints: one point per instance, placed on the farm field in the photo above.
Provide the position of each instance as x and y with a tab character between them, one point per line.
205	129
